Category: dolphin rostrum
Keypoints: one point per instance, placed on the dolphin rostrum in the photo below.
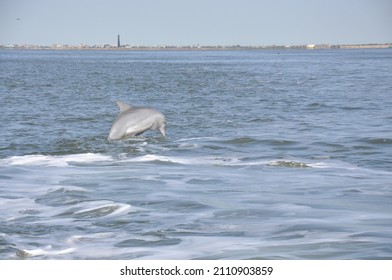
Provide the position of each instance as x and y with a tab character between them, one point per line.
133	121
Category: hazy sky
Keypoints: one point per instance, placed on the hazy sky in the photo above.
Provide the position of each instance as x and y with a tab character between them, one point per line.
191	22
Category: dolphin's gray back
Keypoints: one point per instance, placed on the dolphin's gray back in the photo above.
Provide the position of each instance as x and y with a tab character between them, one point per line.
134	120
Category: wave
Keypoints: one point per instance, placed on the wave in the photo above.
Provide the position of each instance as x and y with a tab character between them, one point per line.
47	251
290	163
70	160
377	141
60	161
185	160
98	209
75	160
230	161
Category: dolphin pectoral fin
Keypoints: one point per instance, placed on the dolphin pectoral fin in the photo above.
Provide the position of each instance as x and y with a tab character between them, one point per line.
162	130
123	106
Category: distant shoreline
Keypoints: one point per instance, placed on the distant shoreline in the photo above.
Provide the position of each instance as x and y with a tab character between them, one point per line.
195	48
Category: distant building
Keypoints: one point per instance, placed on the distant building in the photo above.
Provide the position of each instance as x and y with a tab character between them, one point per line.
118	41
310	46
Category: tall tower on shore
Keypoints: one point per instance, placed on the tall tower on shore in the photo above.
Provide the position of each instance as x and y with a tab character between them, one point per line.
118	41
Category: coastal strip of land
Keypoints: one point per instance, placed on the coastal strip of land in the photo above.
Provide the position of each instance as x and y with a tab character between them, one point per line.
194	47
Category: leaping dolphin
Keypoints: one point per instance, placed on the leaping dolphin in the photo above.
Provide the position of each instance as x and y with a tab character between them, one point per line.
133	121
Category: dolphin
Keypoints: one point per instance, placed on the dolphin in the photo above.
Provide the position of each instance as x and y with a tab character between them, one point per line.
133	121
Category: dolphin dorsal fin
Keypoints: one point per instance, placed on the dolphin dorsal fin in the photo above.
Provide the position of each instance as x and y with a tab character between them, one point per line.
123	106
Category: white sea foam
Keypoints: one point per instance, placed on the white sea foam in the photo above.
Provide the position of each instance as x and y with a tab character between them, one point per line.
69	188
186	160
59	161
102	209
95	237
70	160
147	158
236	161
239	162
47	251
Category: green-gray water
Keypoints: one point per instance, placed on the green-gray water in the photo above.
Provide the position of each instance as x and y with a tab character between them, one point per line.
269	155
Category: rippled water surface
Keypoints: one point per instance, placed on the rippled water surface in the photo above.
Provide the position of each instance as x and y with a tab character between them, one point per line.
269	155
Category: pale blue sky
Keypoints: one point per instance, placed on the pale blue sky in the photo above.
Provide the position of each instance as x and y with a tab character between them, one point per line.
204	22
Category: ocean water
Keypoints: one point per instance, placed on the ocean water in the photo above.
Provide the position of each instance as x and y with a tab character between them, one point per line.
269	155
